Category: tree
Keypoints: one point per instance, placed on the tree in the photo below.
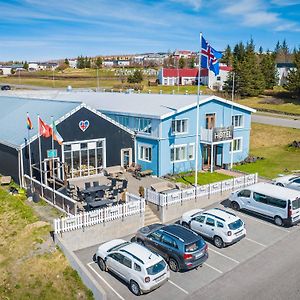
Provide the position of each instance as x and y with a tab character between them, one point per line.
98	62
67	62
181	63
227	57
192	63
25	65
80	62
268	69
277	48
293	79
136	77
260	50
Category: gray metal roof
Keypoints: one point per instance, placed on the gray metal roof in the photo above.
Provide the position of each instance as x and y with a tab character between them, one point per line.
13	116
146	105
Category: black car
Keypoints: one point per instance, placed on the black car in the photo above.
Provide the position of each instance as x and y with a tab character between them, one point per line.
5	87
182	248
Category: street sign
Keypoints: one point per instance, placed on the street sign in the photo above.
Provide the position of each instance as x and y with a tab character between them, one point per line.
52	153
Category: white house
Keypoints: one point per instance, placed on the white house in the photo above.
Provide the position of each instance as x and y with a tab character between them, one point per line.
73	63
108	63
33	66
283	70
6	70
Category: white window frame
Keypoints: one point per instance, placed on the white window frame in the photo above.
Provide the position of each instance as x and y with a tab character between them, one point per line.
175	132
142	152
233	121
241	143
191	145
179	146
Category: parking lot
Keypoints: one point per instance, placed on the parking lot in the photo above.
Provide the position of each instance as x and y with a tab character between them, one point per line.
261	234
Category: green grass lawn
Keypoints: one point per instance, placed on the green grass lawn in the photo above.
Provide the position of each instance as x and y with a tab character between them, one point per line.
203	178
271	142
31	267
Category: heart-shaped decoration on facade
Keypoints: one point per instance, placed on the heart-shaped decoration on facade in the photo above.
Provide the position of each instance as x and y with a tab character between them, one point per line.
84	125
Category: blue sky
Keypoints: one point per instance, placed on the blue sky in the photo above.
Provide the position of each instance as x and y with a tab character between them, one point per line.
40	30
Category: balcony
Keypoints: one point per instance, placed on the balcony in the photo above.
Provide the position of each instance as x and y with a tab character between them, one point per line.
217	134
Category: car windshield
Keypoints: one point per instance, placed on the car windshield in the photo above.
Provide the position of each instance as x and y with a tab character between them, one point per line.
117	247
156	268
236	225
195	246
296	204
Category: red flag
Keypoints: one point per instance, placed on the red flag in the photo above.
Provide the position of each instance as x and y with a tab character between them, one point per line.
44	129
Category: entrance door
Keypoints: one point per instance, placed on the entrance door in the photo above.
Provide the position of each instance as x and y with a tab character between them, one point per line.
210	121
218	153
206	156
126	157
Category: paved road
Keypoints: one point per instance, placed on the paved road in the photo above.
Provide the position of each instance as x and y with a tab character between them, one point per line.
272	274
276	121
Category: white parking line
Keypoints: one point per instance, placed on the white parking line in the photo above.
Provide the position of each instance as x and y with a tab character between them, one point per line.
219	271
255	242
183	290
232	259
89	264
265	223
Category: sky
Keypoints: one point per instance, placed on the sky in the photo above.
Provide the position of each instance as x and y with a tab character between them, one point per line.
41	30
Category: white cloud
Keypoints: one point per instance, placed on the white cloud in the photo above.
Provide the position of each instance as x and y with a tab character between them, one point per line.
195	4
286	2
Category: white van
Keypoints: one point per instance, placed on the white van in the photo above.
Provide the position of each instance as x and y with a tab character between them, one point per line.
278	203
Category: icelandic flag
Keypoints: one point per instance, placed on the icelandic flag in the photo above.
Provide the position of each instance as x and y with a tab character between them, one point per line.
209	57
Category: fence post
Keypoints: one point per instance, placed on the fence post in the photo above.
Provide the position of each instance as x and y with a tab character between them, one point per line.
256	177
244	180
232	184
221	187
209	191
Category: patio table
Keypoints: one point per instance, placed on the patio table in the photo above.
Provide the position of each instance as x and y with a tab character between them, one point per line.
98	188
100	204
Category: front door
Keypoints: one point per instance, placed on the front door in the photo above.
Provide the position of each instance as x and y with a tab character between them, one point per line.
210	121
218	153
206	156
126	157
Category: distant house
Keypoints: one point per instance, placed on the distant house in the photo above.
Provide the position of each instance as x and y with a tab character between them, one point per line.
183	54
73	63
190	77
283	70
33	66
108	63
122	63
6	70
48	66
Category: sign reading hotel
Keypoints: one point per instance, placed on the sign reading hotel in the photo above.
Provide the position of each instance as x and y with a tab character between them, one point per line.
222	134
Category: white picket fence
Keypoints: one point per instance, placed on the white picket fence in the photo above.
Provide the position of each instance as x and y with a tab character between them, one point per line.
133	206
202	190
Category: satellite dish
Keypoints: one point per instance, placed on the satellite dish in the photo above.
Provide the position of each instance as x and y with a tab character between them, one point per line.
36	197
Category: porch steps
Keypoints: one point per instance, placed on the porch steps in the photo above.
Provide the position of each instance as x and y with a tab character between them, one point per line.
150	216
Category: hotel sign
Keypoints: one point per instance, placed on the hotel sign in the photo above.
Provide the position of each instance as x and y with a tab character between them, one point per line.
222	134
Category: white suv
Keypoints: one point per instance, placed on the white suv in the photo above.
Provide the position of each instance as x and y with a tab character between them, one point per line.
223	227
143	269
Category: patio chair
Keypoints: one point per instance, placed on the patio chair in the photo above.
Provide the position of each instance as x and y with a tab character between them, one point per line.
95	183
114	194
113	184
100	194
80	196
71	187
124	186
89	199
87	185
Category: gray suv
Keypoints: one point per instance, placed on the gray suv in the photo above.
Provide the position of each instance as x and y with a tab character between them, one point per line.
182	248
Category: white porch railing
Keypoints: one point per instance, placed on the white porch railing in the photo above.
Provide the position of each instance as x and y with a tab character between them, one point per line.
135	206
206	135
161	199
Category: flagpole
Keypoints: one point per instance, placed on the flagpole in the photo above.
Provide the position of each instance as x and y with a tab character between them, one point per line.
197	118
29	149
232	123
40	150
52	146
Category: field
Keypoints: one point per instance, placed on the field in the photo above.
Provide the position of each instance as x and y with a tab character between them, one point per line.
31	267
271	142
203	178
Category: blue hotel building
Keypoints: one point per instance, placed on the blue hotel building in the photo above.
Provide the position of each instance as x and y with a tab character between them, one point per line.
163	128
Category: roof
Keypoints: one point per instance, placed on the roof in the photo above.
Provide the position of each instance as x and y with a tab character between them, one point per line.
13	116
223	214
181	232
226	68
159	106
286	65
274	191
183	72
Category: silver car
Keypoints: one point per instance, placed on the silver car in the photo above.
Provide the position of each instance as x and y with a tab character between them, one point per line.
288	181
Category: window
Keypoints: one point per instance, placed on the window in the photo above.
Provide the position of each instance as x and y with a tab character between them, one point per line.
210	221
219	224
179	126
297	181
157	268
126	262
124	120
237	145
137	267
191	152
276	202
237	121
296	204
116	256
178	153
244	193
200	219
145	153
260	198
142	125
235	225
156	235
218	78
169	241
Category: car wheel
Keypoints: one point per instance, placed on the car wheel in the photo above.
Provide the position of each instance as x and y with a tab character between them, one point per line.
101	264
278	221
135	288
235	205
173	264
218	242
139	241
186	225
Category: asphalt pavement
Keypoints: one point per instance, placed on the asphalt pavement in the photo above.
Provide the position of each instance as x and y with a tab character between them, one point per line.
276	121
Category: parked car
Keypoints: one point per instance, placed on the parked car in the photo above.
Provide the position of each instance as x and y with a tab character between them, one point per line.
219	225
5	87
182	248
142	269
289	181
275	202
